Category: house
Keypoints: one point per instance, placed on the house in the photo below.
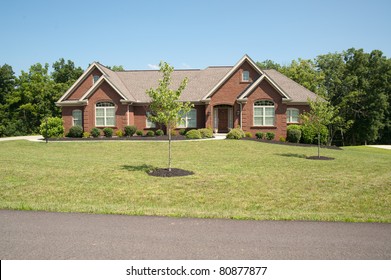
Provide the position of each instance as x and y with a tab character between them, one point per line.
223	97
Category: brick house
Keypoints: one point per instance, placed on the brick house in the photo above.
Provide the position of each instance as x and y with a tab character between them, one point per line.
223	97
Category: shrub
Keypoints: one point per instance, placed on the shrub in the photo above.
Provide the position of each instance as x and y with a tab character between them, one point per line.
259	135
54	128
139	132
294	133
235	133
248	134
75	132
159	132
182	131
130	130
174	132
270	135
206	132
95	132
193	134
150	133
108	132
86	134
119	133
282	139
309	134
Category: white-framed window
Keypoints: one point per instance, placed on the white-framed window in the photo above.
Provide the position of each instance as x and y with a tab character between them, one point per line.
149	124
245	76
292	115
264	113
105	114
95	78
77	117
188	120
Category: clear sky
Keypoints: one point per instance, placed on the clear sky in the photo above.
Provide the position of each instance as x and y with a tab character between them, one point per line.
187	34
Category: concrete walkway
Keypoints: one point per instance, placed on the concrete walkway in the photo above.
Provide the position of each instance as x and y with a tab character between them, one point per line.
387	147
34	138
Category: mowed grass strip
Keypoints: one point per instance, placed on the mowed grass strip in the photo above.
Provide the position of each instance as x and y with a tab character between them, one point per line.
233	179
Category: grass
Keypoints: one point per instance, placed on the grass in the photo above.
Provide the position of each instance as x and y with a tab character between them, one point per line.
233	179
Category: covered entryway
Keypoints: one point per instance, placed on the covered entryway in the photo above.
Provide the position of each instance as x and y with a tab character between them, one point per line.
223	118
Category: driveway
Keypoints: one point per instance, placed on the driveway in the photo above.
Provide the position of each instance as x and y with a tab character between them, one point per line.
34	138
43	235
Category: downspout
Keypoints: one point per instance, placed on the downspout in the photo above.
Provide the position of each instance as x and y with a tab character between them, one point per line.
241	115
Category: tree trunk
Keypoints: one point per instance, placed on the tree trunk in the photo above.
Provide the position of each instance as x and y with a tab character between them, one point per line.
318	145
169	148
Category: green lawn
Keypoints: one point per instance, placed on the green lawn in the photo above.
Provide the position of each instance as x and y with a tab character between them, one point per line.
233	179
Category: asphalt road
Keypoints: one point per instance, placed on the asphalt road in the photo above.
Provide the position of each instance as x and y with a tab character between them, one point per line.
43	235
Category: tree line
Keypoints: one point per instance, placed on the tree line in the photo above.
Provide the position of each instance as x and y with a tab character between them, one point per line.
356	84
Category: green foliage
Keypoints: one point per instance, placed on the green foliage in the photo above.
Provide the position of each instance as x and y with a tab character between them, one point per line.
236	133
206	132
282	139
95	132
270	135
108	132
182	131
260	135
86	134
248	134
193	134
139	132
159	132
309	134
75	132
130	130
54	128
294	133
150	133
119	133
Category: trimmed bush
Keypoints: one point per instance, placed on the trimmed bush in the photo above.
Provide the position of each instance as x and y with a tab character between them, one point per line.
174	132
309	135
270	135
75	132
130	130
259	135
248	134
150	133
294	133
236	133
119	133
108	132
55	128
182	131
139	132
282	139
86	134
95	132
159	132
206	132
193	134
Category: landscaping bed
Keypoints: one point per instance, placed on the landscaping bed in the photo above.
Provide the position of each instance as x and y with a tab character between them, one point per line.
133	138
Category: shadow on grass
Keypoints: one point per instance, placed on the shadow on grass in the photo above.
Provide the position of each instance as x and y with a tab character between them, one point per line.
143	167
292	155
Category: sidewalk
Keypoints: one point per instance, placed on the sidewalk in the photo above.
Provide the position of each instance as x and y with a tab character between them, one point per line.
34	138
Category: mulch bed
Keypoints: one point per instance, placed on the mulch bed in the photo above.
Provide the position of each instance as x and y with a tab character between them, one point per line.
289	143
320	158
164	172
133	138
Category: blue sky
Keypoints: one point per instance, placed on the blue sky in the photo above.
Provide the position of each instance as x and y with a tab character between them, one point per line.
187	34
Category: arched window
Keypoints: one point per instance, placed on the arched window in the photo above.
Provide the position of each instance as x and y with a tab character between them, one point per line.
292	115
263	113
105	114
245	76
77	117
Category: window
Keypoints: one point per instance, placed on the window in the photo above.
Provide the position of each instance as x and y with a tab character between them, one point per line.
150	124
189	119
292	115
77	117
246	76
263	113
105	114
96	78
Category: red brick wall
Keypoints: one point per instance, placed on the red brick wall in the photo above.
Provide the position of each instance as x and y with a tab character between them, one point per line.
67	116
229	92
84	86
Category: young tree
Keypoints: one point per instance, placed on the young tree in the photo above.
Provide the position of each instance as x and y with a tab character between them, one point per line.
320	115
165	107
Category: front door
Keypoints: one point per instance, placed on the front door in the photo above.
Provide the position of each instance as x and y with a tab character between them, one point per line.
223	120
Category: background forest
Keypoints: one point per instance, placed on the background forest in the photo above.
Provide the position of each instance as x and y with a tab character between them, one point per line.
356	83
